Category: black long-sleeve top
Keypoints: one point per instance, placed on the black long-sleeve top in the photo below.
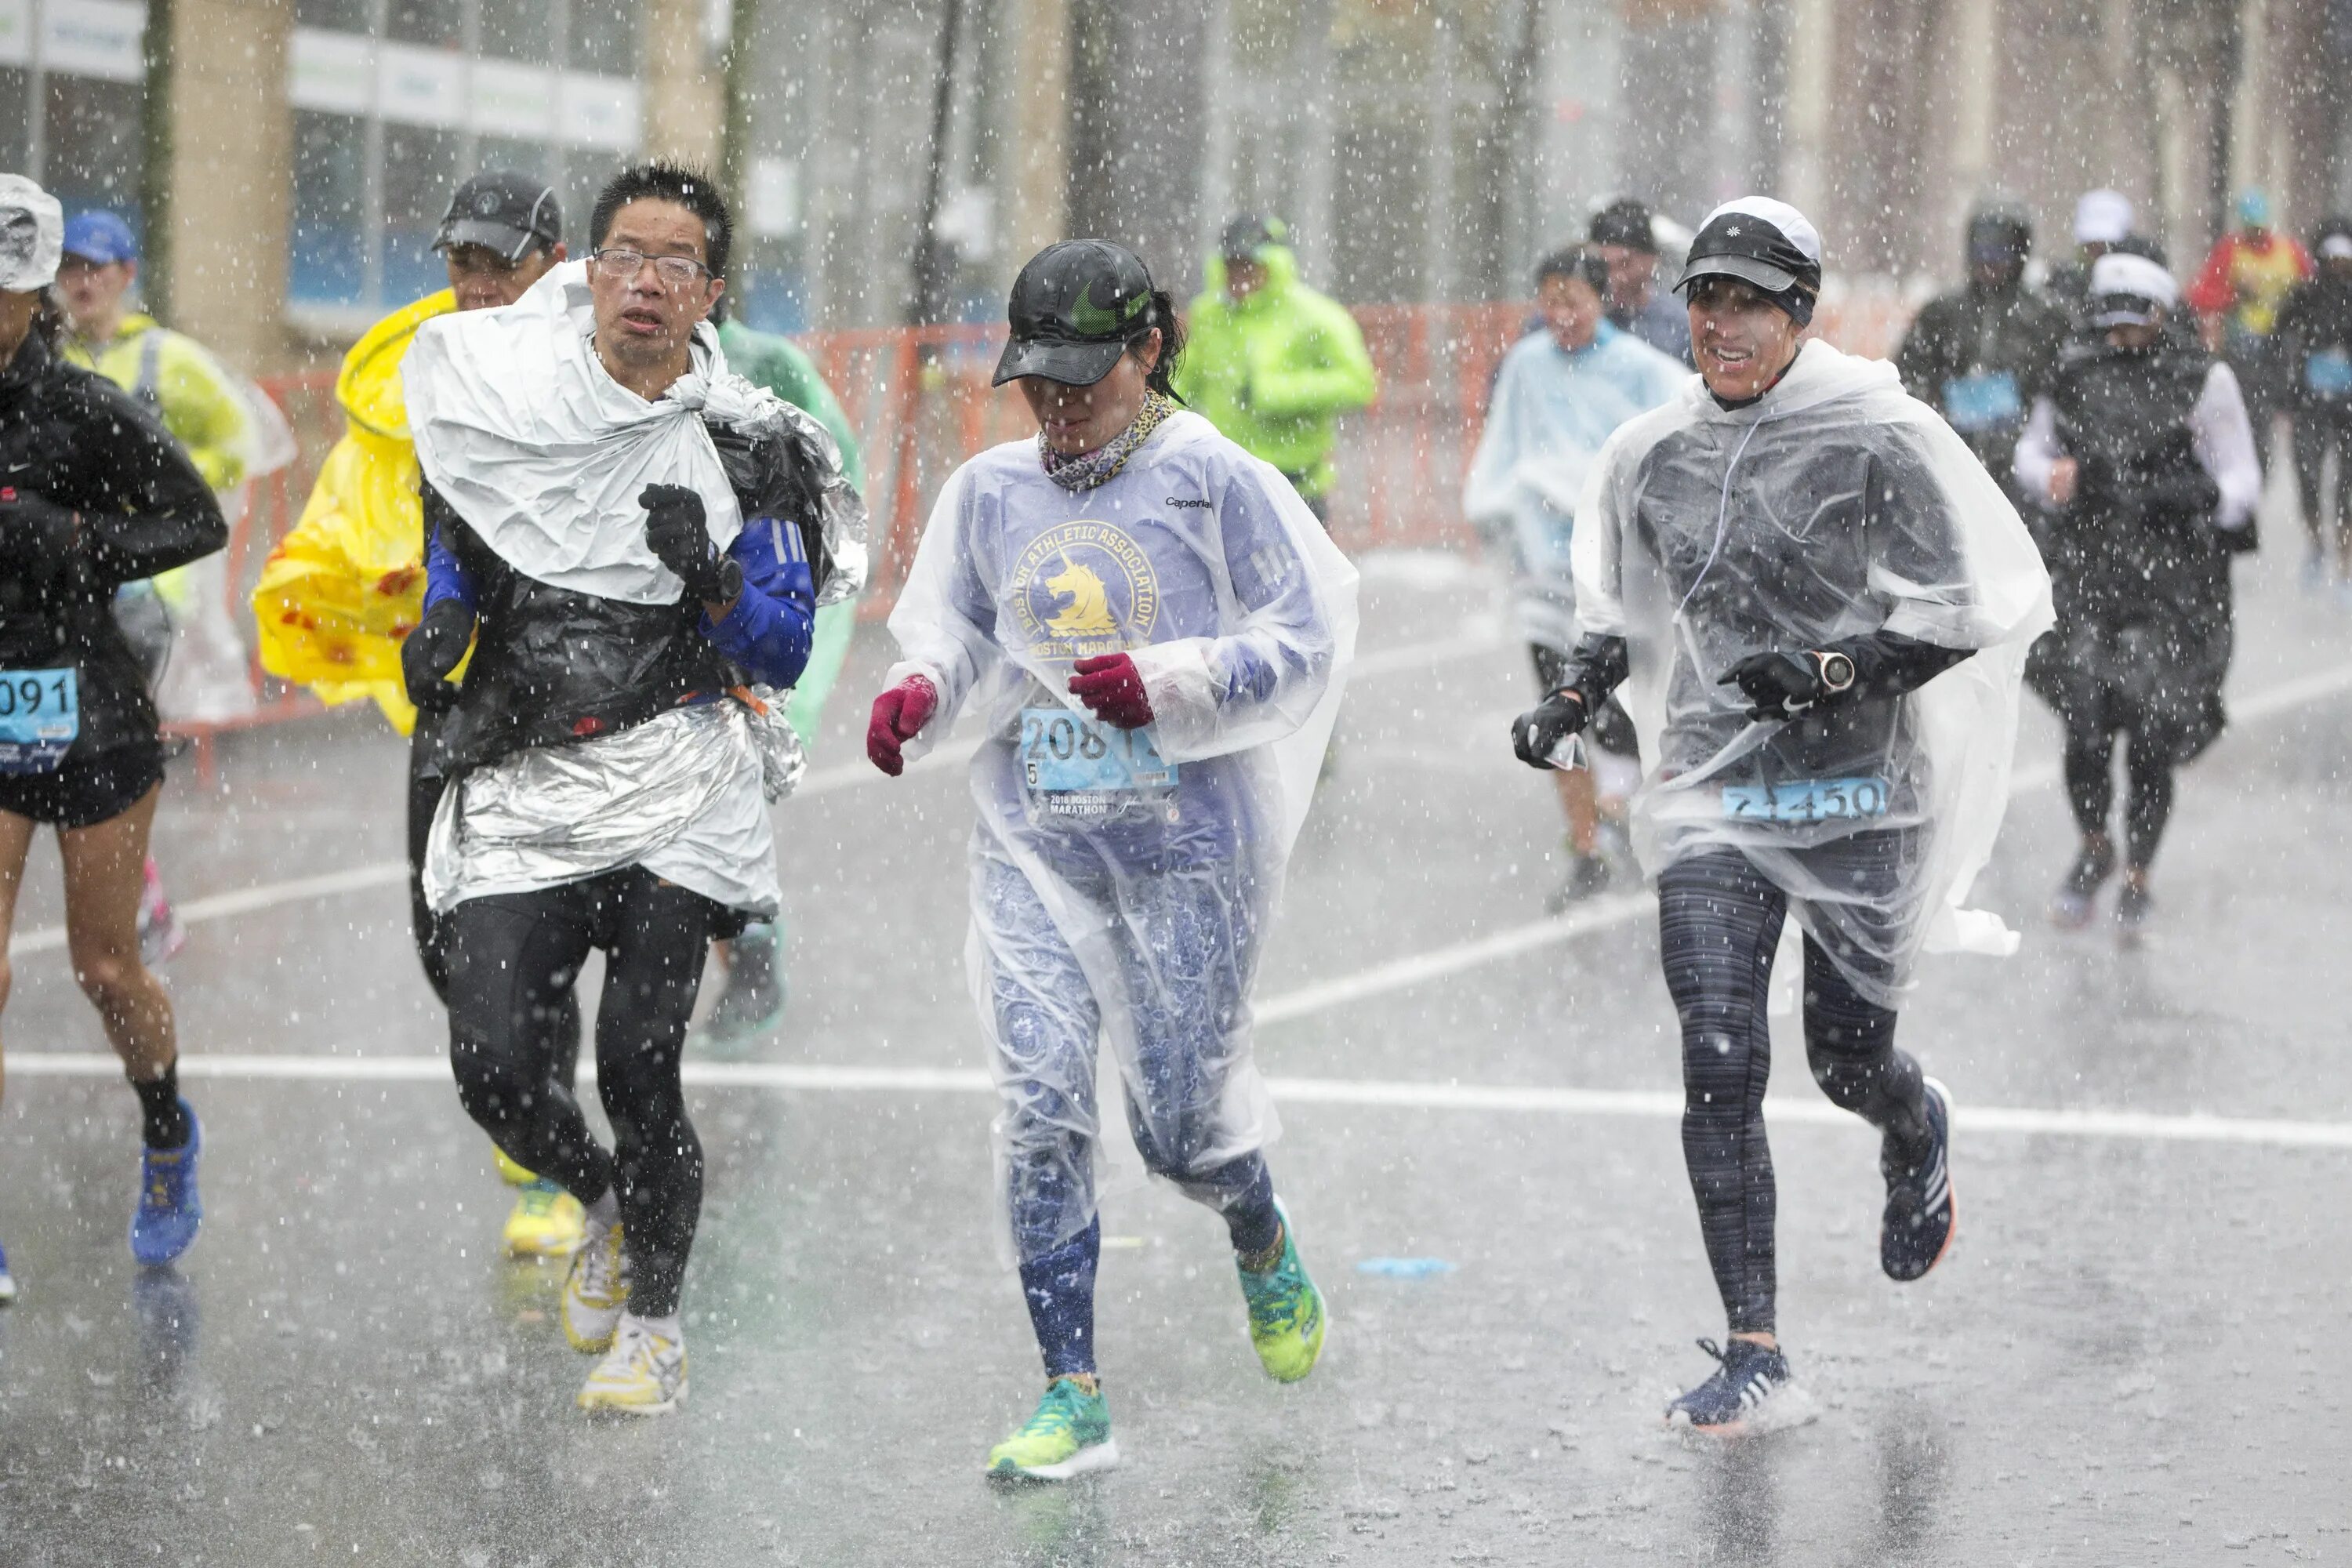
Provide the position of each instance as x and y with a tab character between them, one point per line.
74	438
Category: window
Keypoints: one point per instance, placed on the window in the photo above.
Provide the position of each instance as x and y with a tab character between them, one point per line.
329	241
71	99
392	113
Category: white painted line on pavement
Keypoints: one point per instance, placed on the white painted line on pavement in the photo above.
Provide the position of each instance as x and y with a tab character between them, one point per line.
1603	914
1380	1093
1486	636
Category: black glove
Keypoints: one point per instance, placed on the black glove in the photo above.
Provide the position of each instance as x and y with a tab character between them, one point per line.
434	649
1782	685
677	532
37	534
1535	735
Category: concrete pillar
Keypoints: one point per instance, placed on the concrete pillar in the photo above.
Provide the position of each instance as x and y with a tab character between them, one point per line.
231	177
1040	164
686	88
1813	52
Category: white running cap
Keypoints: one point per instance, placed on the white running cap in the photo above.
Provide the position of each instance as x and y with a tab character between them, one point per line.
2102	217
32	235
2128	291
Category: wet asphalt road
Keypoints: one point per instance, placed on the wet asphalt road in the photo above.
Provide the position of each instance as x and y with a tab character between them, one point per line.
2134	1353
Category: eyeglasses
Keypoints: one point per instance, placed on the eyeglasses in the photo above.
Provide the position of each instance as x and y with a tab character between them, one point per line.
675	271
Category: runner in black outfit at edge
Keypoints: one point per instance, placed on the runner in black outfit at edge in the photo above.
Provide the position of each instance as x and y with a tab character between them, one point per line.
1775	571
93	494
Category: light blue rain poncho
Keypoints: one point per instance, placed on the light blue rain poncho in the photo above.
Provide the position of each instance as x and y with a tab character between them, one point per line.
1123	882
1551	410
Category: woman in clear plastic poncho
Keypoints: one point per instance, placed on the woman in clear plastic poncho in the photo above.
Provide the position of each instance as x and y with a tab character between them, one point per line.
1818	604
1154	631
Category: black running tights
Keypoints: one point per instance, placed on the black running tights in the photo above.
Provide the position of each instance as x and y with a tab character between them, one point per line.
430	930
513	959
2091	788
1719	921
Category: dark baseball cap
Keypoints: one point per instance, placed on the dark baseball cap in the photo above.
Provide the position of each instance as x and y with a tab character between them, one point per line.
1625	222
1246	238
1759	241
511	212
1074	310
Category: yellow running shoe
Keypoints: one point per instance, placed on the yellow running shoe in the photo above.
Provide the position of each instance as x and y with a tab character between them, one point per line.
1068	1436
1287	1319
509	1173
597	1289
547	1222
644	1375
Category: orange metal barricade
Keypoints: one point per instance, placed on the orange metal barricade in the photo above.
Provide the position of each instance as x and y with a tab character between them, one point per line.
919	400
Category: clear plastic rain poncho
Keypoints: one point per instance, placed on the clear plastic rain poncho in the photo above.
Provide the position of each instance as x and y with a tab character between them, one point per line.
1123	882
1833	507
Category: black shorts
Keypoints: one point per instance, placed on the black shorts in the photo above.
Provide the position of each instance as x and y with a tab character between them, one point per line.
1612	729
86	791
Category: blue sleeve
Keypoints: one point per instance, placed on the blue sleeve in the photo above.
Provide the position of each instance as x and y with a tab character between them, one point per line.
769	630
443	578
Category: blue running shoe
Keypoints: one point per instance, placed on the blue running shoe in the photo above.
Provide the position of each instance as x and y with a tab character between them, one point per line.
1752	1391
164	1223
7	1280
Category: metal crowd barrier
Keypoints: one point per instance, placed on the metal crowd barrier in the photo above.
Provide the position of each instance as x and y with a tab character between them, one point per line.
919	400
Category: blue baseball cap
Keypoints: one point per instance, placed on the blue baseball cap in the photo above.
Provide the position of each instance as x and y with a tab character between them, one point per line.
101	236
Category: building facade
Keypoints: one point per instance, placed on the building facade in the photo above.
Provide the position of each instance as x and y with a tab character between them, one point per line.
288	160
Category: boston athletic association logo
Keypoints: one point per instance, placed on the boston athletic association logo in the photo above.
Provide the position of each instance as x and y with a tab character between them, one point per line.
1082	589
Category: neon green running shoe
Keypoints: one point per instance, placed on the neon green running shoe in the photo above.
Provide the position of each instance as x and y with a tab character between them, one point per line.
1287	1319
1069	1435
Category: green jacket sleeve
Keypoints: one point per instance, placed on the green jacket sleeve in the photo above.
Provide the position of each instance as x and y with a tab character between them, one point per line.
1322	368
201	411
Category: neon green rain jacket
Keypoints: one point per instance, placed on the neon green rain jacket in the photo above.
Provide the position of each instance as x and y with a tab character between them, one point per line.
180	380
1275	371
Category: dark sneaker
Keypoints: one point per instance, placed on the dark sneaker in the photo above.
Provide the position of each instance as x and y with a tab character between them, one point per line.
1752	1391
1920	1214
2134	908
1587	878
2070	907
753	1005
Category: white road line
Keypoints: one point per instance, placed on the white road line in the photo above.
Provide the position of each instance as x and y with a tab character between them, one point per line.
1603	914
1376	1093
1486	636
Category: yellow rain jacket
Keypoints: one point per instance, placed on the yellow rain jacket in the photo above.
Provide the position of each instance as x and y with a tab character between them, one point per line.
343	590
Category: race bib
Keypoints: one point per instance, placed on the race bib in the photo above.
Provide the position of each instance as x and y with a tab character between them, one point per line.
1805	800
1985	401
2329	372
40	714
1063	753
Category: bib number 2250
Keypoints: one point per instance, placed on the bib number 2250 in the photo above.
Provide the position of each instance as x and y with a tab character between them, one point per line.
1806	800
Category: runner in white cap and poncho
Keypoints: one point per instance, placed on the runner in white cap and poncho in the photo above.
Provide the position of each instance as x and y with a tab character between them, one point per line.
1815	604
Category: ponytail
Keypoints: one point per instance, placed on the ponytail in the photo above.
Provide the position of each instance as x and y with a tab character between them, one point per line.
1162	316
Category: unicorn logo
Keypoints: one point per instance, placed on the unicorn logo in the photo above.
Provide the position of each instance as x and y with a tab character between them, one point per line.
1085	610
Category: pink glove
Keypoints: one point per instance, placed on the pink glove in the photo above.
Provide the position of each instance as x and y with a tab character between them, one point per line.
1113	688
900	715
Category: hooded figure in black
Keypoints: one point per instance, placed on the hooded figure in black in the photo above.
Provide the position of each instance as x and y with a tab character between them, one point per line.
2314	350
1980	354
2142	457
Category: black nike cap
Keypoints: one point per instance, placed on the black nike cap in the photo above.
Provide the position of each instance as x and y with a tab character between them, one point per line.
504	211
1759	241
1074	310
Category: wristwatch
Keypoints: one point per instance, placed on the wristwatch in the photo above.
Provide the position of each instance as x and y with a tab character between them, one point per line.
1837	670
